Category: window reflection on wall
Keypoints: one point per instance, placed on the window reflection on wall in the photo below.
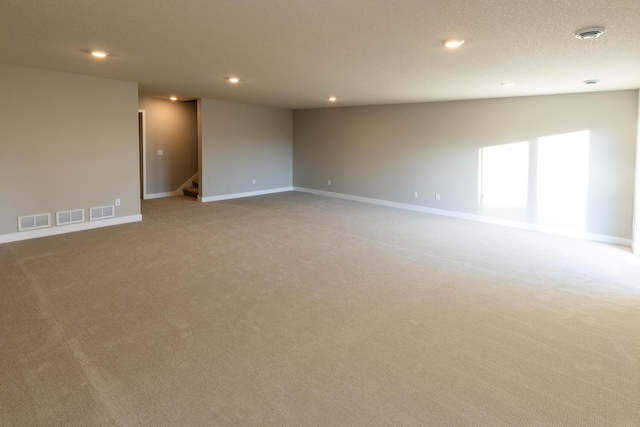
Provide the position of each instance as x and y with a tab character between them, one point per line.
563	168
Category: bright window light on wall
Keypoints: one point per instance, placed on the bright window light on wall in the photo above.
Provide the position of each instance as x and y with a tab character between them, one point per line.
504	176
563	179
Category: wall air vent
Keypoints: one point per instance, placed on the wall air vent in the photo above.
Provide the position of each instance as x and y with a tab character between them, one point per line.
69	217
31	222
102	212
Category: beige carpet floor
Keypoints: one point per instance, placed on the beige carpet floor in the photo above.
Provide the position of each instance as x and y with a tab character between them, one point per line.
299	310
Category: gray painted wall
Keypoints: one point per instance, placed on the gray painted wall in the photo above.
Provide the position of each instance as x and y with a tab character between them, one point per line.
388	152
240	142
171	127
66	142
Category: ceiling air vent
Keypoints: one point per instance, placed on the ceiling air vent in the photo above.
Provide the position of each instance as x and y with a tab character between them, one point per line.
589	33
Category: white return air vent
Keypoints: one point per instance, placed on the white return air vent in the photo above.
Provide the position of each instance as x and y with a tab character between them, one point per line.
102	212
69	217
31	222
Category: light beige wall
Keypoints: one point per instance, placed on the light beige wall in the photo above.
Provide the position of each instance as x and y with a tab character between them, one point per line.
636	218
171	127
388	152
240	142
66	142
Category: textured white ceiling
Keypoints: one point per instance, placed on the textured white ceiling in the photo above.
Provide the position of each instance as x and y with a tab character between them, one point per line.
295	53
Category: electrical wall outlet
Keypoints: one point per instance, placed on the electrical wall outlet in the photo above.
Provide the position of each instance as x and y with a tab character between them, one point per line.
253	181
117	202
415	194
329	182
160	152
437	196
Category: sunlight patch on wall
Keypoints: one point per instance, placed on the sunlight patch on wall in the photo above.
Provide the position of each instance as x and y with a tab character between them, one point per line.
563	179
504	176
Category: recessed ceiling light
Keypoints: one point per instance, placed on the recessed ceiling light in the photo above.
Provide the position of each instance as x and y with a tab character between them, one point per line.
589	33
453	43
99	54
332	99
173	98
591	81
233	80
508	85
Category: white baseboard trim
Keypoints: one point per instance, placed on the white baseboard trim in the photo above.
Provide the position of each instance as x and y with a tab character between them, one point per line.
177	192
240	195
480	218
160	195
63	229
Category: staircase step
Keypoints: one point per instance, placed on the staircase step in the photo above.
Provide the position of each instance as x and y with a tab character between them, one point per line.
195	183
190	191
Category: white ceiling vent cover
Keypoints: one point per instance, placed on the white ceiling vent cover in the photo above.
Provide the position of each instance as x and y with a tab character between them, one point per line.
102	212
70	217
31	222
589	33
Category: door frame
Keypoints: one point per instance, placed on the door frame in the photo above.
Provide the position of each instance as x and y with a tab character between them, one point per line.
143	160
